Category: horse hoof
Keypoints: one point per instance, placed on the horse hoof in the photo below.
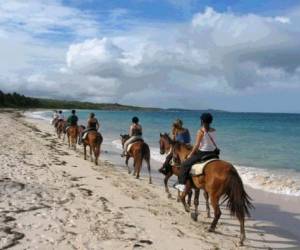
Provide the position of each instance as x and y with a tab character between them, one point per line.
194	216
187	208
169	196
241	243
211	230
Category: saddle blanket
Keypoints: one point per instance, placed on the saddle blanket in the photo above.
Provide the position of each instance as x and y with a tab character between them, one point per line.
130	145
197	169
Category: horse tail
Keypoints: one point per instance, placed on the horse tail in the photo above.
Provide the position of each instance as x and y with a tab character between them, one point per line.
146	157
146	152
238	201
98	142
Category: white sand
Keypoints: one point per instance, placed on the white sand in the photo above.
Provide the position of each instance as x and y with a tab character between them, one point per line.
52	199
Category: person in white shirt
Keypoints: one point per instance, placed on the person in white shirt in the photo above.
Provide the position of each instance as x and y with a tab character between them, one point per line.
205	144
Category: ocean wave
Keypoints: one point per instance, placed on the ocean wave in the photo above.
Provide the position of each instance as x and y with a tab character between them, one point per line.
285	182
276	181
40	115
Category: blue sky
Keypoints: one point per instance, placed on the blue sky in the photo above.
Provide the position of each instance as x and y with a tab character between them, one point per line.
234	55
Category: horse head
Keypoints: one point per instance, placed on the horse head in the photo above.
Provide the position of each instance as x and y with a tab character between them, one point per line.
124	138
180	151
165	143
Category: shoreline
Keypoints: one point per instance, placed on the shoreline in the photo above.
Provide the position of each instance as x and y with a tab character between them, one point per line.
53	199
268	203
276	181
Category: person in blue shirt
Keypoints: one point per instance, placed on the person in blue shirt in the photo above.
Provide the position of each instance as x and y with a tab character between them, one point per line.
180	134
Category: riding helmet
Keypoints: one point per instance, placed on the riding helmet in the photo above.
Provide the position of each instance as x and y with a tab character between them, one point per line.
135	120
206	118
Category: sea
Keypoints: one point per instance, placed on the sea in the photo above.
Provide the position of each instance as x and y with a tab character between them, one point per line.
264	147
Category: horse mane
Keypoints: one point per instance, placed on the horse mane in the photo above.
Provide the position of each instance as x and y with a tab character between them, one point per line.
167	136
178	144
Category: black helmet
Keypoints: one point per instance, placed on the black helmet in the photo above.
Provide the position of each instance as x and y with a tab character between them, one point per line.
135	119
92	115
73	111
206	118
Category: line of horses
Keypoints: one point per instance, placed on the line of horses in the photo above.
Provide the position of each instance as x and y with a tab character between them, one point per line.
219	178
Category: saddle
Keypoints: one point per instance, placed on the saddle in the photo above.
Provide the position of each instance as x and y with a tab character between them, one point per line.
86	133
131	144
198	168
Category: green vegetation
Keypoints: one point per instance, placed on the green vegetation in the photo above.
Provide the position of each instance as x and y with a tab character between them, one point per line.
16	100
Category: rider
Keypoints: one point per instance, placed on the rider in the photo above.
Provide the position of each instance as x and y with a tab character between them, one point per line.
135	133
72	119
54	117
60	117
204	145
180	134
92	124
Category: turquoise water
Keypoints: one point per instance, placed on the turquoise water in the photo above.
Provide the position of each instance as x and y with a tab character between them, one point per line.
249	139
263	147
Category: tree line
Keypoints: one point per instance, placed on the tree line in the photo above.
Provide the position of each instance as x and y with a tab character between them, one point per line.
15	100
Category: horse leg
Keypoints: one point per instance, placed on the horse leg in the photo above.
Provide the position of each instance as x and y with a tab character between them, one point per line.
69	140
91	149
139	163
183	196
149	171
214	198
126	162
84	149
97	153
205	194
167	177
190	194
196	203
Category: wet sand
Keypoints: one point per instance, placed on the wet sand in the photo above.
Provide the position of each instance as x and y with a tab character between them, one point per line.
53	199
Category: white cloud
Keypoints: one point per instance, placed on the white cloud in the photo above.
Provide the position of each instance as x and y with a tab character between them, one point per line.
215	53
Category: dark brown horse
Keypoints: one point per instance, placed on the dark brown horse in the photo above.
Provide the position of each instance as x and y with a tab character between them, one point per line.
165	146
219	179
139	151
60	126
94	140
72	133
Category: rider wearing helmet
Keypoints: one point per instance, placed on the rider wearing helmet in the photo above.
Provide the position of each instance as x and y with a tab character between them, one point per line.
205	144
72	119
135	133
180	134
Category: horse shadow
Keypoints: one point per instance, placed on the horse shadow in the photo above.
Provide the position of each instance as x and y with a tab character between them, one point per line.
270	221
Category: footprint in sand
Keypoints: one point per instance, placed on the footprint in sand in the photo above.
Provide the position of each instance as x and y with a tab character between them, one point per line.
86	192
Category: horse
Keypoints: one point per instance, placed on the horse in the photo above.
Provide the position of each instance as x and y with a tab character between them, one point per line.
94	140
219	178
60	126
72	133
139	151
165	146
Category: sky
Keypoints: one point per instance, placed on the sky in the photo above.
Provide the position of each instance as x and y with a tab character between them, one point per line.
235	55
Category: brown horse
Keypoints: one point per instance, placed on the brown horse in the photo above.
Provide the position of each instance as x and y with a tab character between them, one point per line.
165	146
72	133
94	140
60	126
219	179
139	151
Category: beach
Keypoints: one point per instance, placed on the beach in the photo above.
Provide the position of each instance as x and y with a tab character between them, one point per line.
53	199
